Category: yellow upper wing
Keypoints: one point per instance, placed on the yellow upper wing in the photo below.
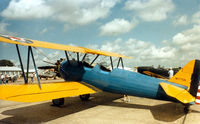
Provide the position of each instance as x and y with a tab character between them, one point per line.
49	91
35	43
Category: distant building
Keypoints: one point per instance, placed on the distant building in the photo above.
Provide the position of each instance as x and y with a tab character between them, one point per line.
13	71
30	72
10	70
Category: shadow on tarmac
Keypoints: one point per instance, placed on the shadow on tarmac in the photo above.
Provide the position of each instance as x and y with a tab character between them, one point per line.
44	112
168	112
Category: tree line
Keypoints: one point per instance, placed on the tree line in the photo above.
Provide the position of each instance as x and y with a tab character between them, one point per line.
5	62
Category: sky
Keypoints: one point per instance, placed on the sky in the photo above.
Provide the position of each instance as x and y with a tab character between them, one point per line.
153	32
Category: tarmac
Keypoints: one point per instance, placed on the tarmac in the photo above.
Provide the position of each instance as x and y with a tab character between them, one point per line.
102	108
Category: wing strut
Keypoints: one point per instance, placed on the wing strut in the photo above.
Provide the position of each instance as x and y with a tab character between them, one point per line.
122	63
22	67
111	62
67	57
84	57
94	59
120	60
29	48
35	68
77	56
20	60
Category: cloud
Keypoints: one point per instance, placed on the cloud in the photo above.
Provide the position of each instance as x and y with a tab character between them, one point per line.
74	12
27	9
196	17
187	44
117	26
144	52
182	20
183	47
3	27
4	30
187	36
82	12
43	31
150	10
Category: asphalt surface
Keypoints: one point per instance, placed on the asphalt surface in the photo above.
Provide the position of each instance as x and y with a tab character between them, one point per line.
102	107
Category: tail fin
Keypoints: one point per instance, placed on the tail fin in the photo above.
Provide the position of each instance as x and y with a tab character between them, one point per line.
189	76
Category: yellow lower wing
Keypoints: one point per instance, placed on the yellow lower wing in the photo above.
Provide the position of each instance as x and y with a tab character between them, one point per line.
176	92
32	93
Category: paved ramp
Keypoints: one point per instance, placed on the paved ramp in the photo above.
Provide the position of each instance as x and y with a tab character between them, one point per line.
102	108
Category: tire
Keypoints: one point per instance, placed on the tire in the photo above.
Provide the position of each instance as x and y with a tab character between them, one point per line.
186	109
58	102
85	97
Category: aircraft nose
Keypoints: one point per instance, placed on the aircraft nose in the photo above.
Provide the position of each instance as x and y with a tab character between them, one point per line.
72	70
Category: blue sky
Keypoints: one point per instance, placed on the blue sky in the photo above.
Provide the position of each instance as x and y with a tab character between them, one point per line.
154	32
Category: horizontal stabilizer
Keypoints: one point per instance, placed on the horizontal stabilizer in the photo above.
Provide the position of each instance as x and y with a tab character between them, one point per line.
176	92
48	91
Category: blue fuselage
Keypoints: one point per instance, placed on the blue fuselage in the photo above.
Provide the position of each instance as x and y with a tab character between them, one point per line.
116	81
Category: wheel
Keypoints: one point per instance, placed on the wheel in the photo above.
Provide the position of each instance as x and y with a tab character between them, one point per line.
58	102
85	97
186	109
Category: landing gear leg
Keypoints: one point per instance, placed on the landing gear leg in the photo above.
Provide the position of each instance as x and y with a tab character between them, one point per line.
187	109
85	97
58	102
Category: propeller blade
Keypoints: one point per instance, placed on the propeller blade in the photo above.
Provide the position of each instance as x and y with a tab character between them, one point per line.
49	62
47	67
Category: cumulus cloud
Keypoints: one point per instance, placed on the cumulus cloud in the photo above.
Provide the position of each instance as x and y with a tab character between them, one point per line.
151	10
43	31
4	30
188	36
3	27
67	11
27	9
117	26
196	17
144	52
182	48
82	12
182	20
187	44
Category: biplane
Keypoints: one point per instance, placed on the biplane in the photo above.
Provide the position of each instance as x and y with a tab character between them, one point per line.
82	78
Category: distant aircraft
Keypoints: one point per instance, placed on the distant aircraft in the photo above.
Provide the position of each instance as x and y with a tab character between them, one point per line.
156	72
82	79
46	74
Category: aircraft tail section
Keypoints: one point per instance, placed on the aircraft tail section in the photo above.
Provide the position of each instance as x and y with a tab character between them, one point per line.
178	93
195	85
189	76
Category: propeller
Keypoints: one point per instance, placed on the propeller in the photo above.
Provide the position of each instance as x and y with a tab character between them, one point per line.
54	66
